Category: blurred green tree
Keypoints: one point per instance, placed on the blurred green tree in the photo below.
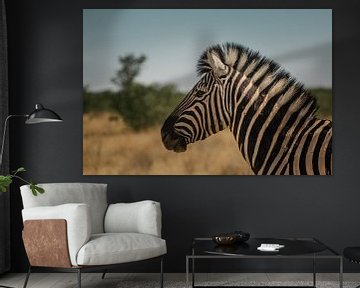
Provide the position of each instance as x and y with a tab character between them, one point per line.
141	106
130	69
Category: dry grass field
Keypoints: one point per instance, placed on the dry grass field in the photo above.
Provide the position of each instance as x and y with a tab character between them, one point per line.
110	148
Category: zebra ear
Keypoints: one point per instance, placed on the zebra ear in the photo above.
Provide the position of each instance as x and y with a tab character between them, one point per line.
216	64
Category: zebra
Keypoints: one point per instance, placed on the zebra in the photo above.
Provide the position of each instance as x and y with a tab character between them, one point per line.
270	114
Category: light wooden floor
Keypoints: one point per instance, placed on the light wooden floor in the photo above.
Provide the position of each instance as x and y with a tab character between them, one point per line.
113	280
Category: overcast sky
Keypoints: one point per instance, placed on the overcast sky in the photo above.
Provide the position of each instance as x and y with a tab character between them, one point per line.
172	40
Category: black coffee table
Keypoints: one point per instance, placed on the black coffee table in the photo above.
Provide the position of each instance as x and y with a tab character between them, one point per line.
294	248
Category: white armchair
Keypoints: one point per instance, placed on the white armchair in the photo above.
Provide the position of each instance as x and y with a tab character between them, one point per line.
72	228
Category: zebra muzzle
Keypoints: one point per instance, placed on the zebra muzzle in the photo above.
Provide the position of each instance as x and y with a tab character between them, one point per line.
172	140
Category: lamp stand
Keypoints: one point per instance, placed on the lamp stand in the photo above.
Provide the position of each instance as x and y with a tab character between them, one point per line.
4	136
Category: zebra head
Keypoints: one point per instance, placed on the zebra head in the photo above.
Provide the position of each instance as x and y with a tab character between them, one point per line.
203	110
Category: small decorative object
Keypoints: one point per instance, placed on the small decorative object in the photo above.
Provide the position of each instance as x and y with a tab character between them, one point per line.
270	247
242	236
225	238
231	238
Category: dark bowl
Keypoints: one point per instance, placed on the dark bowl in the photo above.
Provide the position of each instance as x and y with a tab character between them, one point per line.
231	238
225	239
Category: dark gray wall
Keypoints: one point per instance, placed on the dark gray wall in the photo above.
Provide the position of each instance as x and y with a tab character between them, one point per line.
45	50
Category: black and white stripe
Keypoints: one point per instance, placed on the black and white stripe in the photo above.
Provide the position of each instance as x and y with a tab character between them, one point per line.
269	113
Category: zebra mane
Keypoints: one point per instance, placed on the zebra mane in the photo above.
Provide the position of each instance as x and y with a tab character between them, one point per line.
262	70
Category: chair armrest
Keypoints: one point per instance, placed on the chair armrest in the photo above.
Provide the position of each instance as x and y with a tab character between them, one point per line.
77	218
138	217
52	250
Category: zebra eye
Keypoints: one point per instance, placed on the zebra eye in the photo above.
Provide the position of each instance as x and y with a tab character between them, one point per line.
200	92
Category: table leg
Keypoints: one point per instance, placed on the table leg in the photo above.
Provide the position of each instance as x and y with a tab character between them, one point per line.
187	272
341	273
193	272
193	267
314	271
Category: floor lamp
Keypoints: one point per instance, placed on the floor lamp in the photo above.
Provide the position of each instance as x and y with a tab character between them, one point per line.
39	115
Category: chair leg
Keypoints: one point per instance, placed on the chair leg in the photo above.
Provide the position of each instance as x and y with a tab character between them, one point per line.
79	277
161	273
27	277
103	275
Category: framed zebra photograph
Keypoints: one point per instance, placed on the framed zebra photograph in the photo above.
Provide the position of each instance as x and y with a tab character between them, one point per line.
207	92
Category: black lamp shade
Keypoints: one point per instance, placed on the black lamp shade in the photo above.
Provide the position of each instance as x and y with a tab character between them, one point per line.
42	115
